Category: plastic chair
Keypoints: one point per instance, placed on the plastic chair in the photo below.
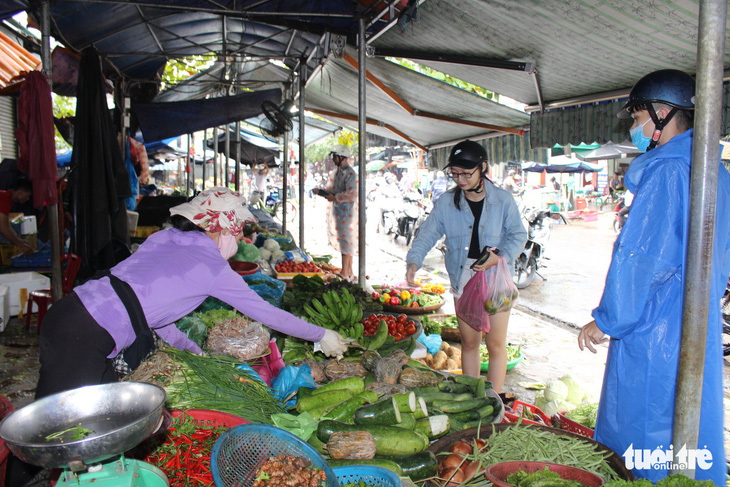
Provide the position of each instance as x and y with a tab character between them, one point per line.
44	297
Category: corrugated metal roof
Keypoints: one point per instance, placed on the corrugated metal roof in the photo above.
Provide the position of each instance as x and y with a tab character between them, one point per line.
334	89
14	60
579	47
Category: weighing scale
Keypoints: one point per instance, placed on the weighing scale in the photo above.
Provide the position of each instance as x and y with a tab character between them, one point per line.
86	431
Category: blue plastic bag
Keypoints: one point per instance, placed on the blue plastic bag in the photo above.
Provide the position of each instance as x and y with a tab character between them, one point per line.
289	380
432	342
270	289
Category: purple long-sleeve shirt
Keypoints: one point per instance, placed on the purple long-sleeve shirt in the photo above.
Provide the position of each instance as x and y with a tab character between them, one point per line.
172	273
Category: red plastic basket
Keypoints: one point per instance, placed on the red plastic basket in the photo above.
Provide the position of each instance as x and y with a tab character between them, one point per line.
518	409
211	418
570	425
5	408
499	472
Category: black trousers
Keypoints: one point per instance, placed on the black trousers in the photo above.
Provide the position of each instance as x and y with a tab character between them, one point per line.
73	349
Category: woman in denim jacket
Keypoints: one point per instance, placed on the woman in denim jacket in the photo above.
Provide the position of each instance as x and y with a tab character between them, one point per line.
474	199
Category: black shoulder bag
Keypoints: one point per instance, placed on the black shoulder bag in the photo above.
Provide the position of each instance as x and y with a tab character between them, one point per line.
145	344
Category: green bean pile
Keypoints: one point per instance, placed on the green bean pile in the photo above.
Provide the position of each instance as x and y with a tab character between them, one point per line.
527	443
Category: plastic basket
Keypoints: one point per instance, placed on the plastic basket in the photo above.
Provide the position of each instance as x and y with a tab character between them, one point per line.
370	475
499	472
39	259
240	452
210	418
517	411
570	425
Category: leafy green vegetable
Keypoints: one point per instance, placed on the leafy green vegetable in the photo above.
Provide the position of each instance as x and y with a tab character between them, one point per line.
540	478
512	352
584	414
674	480
74	433
430	326
195	328
215	316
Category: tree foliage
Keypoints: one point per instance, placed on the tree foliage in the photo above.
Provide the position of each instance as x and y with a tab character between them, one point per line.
177	70
63	106
446	78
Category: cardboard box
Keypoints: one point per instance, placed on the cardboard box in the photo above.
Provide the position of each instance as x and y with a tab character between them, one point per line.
30	281
4	306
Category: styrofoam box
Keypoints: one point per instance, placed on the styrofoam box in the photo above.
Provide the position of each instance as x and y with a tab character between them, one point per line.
28	225
31	281
4	307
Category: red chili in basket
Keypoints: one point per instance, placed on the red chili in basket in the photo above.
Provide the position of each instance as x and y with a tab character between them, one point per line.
184	456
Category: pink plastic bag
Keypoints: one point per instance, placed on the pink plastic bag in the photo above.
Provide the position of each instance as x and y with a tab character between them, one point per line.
268	366
470	306
502	291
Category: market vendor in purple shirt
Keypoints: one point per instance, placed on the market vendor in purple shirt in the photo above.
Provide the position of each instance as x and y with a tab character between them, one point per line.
171	274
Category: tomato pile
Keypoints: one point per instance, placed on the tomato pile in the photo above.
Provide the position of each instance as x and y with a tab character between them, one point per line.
399	327
290	266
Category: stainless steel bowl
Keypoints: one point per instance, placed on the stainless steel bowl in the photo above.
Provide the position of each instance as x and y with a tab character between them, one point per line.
119	415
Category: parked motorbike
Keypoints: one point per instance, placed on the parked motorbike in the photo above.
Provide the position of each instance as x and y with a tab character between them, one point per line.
400	218
539	226
619	218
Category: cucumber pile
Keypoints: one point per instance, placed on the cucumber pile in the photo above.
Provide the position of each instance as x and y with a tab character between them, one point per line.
401	425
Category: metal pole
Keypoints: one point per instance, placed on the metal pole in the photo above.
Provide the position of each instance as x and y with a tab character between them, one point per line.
703	197
285	181
215	156
205	159
362	146
238	157
302	163
227	159
189	169
52	210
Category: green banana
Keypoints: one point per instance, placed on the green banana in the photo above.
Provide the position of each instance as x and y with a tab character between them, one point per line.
327	298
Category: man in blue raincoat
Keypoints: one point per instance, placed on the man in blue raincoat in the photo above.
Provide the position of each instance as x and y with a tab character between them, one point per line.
641	307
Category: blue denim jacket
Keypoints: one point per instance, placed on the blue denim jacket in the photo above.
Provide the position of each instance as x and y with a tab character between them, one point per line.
500	226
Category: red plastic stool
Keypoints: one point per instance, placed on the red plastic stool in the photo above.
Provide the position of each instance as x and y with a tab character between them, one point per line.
43	298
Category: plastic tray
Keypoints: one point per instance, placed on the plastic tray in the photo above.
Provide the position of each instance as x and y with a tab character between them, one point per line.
239	453
570	425
369	475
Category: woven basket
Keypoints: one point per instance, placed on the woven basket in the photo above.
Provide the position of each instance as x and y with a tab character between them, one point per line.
240	452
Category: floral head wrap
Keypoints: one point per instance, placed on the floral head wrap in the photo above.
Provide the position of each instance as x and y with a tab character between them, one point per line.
215	209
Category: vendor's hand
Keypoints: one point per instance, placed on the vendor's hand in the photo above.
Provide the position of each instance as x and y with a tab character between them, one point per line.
591	335
411	274
330	197
26	248
333	344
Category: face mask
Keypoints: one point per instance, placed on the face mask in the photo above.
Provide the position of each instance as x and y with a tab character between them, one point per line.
638	138
227	245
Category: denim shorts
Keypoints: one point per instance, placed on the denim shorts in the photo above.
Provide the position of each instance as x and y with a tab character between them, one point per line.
466	274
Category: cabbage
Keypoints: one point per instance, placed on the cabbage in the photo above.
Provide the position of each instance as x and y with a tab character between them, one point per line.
554	407
575	390
265	253
271	244
556	390
277	255
540	400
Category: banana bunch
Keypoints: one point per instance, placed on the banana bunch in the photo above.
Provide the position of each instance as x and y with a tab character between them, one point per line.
339	312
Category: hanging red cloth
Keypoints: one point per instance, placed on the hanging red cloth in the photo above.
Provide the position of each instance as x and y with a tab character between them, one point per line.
35	136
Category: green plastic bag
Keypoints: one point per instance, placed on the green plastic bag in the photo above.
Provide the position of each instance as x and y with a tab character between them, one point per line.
247	253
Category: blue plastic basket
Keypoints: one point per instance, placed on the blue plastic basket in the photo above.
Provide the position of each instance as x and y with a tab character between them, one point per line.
370	475
239	453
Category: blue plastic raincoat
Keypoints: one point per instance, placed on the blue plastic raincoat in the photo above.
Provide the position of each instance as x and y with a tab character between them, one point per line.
641	310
